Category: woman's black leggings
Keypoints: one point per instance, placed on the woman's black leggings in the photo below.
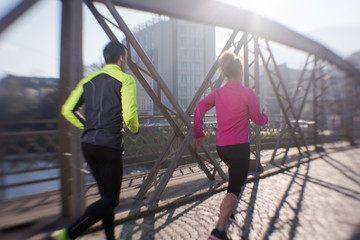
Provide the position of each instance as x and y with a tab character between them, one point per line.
237	158
106	166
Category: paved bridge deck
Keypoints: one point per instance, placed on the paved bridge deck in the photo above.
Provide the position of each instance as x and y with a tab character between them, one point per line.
316	199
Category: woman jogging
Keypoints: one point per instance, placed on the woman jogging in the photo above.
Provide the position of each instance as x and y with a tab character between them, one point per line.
235	106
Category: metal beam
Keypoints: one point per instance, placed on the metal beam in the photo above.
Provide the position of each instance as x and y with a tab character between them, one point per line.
258	166
302	104
147	62
215	13
316	98
199	10
13	15
72	180
283	99
177	124
152	176
100	19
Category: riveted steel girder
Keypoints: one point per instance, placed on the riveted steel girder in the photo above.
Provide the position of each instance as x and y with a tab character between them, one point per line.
220	14
15	13
72	180
177	124
208	12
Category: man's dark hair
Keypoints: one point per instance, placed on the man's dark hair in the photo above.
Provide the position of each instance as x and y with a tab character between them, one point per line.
113	50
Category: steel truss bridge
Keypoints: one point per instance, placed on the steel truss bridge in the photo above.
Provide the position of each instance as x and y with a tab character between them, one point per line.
252	38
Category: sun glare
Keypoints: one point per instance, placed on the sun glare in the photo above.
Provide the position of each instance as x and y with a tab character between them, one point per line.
276	10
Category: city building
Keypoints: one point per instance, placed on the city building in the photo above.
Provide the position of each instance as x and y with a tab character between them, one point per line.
29	87
182	52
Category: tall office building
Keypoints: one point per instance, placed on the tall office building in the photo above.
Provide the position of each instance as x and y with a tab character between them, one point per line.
182	52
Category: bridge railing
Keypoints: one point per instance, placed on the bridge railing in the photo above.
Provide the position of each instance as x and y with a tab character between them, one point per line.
30	163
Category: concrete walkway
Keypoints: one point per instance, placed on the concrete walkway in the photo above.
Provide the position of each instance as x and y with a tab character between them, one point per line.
317	198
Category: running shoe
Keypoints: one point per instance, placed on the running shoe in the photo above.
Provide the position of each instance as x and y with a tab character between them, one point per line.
217	235
60	235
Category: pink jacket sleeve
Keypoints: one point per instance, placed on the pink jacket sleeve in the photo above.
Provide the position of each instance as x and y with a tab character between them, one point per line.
201	108
255	115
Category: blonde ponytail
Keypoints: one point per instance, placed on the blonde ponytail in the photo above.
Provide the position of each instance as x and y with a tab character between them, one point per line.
230	64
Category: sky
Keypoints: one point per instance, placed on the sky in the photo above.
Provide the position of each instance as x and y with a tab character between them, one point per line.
31	45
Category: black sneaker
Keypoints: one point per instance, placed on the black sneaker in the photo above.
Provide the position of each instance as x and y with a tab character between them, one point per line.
217	235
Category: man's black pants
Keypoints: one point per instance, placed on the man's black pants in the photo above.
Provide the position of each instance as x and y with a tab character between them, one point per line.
106	166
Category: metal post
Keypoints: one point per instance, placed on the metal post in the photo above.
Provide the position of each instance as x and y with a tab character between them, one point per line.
321	110
246	60
246	82
72	180
258	166
315	104
2	166
349	110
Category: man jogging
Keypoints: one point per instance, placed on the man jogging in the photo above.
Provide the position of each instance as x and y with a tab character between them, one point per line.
109	96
